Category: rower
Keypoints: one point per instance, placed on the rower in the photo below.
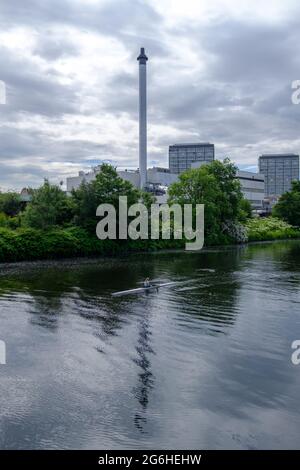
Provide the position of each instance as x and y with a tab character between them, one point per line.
147	282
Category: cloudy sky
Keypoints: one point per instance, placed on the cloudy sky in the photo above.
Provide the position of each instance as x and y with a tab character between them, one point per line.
218	71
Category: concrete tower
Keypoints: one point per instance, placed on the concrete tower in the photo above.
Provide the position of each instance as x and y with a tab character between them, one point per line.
142	58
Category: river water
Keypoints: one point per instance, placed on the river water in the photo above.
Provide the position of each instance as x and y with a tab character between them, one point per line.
203	364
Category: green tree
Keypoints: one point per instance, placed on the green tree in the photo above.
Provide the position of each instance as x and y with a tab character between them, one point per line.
214	185
49	206
84	201
245	210
230	196
288	206
10	203
105	189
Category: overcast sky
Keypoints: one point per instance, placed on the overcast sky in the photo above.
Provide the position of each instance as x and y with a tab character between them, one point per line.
218	71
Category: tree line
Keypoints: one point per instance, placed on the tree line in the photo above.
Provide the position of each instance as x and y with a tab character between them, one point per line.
53	211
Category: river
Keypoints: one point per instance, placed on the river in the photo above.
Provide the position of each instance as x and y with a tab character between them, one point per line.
203	364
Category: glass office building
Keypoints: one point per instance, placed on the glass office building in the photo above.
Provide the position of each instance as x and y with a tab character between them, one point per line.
279	171
181	156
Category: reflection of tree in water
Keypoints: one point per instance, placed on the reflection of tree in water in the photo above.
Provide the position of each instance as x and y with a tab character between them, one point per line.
46	311
288	256
145	376
279	263
40	291
53	286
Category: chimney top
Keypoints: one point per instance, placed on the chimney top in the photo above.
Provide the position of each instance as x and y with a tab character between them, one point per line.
142	58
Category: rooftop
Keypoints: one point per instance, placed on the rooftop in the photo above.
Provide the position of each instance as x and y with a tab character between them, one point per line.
196	144
278	155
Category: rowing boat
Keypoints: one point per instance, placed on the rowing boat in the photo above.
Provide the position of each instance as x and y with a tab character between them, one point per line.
141	290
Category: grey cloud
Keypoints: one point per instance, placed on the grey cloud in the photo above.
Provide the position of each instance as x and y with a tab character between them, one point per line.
116	18
51	48
20	144
253	52
30	89
240	100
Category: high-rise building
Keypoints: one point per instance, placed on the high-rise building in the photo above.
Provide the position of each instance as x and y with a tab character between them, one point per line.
279	171
181	156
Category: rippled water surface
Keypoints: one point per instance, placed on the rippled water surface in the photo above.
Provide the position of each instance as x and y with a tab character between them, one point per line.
203	364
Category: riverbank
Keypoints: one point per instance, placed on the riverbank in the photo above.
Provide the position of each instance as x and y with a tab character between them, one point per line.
30	244
33	245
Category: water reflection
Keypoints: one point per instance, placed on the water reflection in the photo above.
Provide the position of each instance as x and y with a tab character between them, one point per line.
145	376
205	364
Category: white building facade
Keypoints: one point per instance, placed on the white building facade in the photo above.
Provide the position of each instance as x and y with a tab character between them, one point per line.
156	176
158	179
253	187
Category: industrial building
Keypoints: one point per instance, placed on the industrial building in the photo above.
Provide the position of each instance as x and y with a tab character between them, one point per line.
279	171
73	182
253	187
133	176
181	156
156	177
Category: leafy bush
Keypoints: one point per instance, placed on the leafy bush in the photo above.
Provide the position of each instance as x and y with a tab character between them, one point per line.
288	206
3	219
10	222
245	211
10	204
32	244
270	228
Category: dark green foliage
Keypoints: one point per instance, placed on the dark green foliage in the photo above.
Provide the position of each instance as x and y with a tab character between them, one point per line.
288	206
49	207
33	244
245	210
229	196
85	206
10	204
214	185
105	189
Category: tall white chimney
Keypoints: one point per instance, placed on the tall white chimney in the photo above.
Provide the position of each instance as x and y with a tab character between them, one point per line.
142	58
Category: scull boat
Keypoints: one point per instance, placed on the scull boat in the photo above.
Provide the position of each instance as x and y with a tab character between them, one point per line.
141	290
